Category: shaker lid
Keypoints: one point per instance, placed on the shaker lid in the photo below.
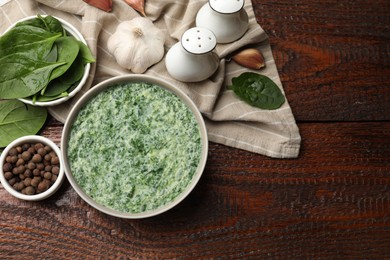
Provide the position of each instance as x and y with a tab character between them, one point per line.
198	40
226	6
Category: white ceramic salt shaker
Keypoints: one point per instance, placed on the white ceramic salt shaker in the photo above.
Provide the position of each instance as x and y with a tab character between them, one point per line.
193	59
227	19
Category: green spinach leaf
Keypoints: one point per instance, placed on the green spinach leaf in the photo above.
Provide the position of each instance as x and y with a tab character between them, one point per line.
67	50
48	23
257	90
22	76
36	22
32	41
52	24
18	119
86	53
52	56
70	77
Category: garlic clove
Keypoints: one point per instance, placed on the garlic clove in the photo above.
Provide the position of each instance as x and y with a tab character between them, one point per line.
250	58
138	5
105	5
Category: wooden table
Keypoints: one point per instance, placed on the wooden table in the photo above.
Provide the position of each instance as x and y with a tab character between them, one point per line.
333	202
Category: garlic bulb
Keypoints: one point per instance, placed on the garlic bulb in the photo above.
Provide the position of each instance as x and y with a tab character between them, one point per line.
137	44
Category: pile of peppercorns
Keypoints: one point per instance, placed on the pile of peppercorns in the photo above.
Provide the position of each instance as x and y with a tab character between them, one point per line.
31	168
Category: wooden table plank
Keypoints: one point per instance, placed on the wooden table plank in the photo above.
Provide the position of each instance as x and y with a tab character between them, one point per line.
333	56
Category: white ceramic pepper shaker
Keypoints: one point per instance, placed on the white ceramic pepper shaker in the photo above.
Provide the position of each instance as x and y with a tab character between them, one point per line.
227	19
193	59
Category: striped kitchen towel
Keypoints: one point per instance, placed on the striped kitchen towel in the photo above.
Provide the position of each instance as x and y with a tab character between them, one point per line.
229	120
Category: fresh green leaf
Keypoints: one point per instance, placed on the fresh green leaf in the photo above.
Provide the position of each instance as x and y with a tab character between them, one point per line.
32	41
52	56
86	53
70	77
55	88
67	49
48	23
22	76
18	119
52	24
257	90
36	22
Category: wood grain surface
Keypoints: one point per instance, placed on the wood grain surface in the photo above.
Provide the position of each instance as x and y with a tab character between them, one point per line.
333	202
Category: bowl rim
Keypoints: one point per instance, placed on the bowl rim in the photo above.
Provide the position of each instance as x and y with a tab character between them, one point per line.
77	34
129	79
32	139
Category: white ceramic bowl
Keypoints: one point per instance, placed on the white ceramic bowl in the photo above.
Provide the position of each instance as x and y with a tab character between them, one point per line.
75	33
32	139
133	79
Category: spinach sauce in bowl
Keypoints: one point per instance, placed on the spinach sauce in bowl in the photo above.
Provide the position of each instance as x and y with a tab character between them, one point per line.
134	147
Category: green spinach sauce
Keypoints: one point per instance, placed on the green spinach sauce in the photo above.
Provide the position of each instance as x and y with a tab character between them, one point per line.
134	147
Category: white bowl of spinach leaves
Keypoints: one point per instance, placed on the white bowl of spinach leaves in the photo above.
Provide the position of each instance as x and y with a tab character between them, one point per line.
44	61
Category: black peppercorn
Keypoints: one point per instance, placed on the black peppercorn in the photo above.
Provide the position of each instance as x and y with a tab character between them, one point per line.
31	165
25	146
19	149
12	181
47	157
26	156
38	146
40	166
36	172
13	151
47	148
21	169
55	160
42	152
31	150
42	186
28	173
37	158
8	175
35	181
27	182
19	162
55	170
7	167
15	171
30	190
47	175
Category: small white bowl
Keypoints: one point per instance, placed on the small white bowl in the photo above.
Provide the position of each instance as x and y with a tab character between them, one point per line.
75	33
32	139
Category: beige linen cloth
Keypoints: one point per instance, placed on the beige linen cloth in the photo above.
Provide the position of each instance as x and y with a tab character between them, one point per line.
229	120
